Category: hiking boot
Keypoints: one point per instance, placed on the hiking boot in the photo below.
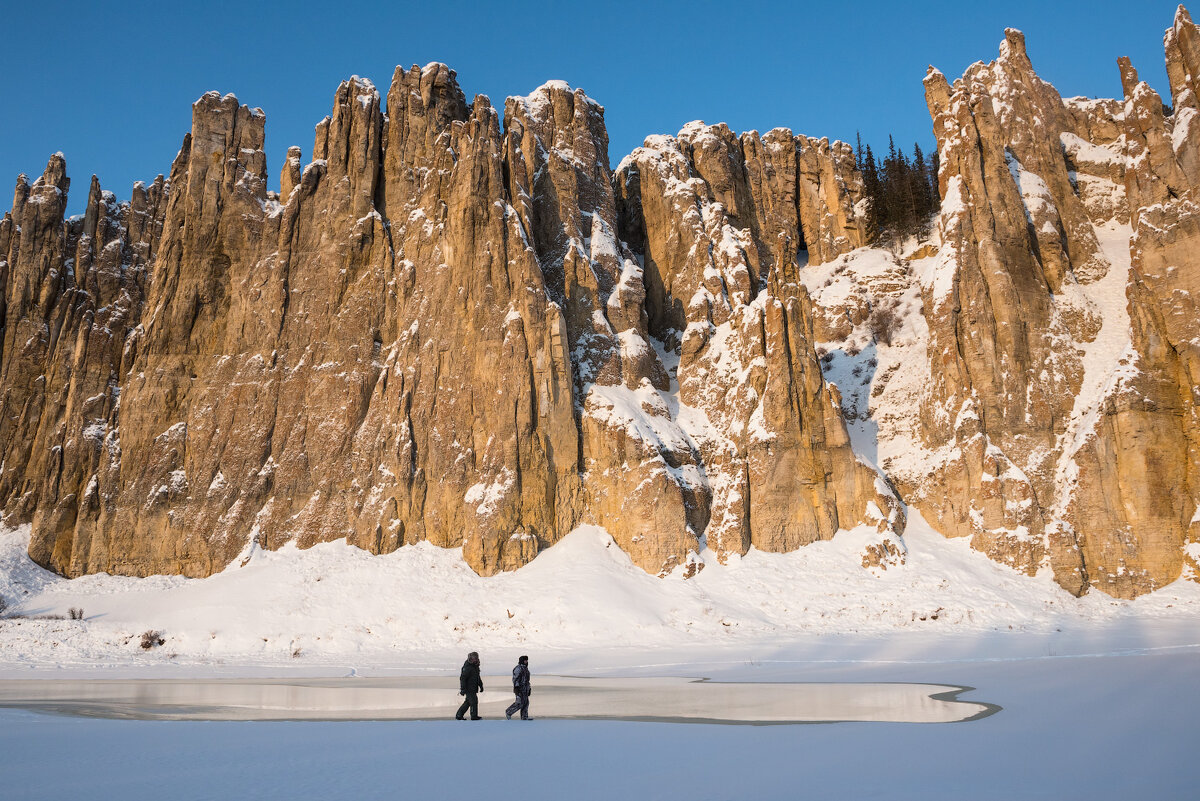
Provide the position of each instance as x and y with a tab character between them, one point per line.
478	718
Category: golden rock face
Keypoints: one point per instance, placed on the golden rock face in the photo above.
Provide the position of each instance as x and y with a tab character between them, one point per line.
1097	482
434	331
464	327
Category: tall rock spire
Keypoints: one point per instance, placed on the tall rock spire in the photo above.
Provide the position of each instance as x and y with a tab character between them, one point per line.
464	327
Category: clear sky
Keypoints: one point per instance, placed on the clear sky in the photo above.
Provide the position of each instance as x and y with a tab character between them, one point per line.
111	84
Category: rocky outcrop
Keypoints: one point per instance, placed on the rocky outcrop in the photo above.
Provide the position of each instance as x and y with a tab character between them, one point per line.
462	326
323	382
432	332
721	220
561	185
1003	370
74	293
1058	408
488	453
1150	429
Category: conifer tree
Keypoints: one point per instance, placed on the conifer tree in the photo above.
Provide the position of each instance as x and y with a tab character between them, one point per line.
921	178
873	192
901	192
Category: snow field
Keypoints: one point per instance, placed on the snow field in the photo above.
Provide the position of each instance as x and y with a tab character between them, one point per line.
335	605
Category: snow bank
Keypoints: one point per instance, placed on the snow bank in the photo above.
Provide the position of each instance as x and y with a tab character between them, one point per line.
336	604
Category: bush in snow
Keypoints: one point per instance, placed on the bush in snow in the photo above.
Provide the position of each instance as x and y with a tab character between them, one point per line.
76	614
151	638
883	323
3	605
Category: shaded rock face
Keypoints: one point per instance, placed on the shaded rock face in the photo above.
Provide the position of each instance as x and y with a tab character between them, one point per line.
1060	405
439	329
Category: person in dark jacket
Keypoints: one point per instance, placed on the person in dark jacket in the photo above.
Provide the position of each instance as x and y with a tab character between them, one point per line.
521	689
469	684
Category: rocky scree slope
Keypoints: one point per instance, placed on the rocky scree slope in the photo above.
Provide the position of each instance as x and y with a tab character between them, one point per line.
463	326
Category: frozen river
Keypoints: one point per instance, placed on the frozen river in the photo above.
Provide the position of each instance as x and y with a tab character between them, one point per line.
1105	726
554	697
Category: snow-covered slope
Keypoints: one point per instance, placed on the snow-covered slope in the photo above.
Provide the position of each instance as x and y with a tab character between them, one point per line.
334	604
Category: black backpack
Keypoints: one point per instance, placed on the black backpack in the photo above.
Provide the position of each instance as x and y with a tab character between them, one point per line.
520	678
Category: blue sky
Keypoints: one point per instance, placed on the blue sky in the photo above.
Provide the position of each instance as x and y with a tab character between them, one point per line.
111	85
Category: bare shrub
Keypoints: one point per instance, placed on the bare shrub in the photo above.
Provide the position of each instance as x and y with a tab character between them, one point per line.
75	613
3	605
883	323
151	639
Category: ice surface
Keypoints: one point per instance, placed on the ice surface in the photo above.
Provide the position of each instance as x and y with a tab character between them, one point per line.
425	698
1100	714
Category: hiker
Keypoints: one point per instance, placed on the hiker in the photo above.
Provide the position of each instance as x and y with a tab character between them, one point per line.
521	689
469	684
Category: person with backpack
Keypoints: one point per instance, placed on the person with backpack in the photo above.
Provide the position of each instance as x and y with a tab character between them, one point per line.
469	684
521	689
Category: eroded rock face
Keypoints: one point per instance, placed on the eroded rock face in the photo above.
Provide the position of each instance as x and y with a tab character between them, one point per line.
557	155
1150	427
1061	409
718	218
433	331
461	326
1004	370
74	293
486	451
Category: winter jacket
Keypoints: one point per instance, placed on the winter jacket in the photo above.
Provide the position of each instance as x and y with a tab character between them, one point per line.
468	680
521	680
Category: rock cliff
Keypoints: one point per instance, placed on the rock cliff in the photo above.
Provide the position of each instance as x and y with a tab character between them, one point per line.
1058	419
434	330
461	325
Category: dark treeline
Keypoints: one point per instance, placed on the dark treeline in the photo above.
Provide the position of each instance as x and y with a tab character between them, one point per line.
901	191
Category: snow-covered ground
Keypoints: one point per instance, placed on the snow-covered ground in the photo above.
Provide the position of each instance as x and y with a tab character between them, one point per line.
1098	697
421	607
